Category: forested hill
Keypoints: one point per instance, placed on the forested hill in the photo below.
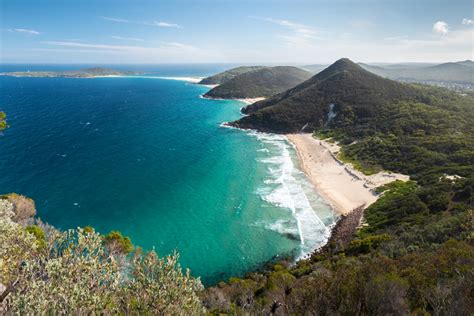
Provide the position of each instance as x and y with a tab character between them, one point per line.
344	84
413	129
264	82
227	75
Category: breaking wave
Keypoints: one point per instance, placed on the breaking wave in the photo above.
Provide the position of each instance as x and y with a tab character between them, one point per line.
287	187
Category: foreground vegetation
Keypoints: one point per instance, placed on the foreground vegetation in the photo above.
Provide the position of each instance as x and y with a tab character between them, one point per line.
46	271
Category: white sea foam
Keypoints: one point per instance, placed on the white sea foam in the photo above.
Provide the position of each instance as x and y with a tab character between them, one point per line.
285	187
284	227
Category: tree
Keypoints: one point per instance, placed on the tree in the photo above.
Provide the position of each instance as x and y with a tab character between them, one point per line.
3	121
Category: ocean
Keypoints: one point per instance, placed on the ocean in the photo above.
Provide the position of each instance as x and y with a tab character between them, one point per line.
149	157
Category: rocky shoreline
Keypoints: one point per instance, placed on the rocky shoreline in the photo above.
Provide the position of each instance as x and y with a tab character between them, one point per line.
342	233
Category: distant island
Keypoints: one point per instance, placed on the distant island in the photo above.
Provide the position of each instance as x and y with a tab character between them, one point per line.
82	73
255	82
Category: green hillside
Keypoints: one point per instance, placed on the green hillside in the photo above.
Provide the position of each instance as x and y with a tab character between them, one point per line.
389	125
227	75
264	82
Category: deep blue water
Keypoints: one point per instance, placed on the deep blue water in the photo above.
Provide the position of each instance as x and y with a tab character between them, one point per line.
148	157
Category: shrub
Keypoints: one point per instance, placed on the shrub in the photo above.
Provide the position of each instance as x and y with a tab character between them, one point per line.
116	242
365	245
79	275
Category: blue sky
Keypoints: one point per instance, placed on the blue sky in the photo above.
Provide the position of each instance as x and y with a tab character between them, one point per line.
291	32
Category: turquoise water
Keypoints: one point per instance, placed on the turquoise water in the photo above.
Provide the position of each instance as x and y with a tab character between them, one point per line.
148	157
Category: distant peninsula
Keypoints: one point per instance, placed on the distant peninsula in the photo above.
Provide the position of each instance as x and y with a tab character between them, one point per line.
82	73
227	75
260	83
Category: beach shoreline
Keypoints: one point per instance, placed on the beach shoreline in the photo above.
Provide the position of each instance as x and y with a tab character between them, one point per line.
338	183
247	101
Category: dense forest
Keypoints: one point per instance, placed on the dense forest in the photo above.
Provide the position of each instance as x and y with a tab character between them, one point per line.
227	75
263	82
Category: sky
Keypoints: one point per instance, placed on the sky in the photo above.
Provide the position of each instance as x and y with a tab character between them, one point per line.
213	31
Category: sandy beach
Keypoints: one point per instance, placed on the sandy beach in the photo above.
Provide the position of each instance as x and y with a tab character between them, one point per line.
247	101
339	184
250	100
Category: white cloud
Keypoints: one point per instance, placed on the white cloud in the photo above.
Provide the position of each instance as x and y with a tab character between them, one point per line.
61	50
154	23
172	52
300	33
166	24
300	29
25	31
85	45
441	28
166	46
466	21
115	19
395	38
127	38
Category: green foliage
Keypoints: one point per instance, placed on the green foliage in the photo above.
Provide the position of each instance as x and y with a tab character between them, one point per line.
361	165
394	186
74	272
159	286
365	245
279	279
116	242
227	75
88	229
3	121
401	203
36	231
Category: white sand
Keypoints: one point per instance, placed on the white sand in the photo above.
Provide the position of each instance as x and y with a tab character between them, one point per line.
250	100
210	86
187	79
339	184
